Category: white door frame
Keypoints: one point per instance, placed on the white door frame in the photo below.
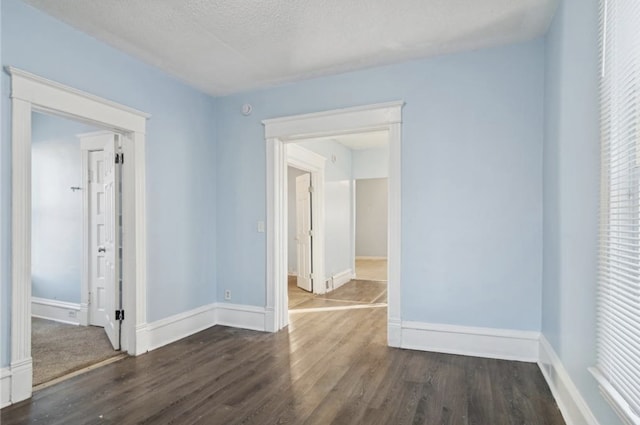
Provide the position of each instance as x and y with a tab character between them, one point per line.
279	132
30	93
314	164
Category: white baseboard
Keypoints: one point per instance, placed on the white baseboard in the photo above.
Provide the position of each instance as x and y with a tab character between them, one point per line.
170	329
269	320
394	333
21	379
141	345
173	328
59	311
83	314
241	316
471	341
5	387
341	278
574	408
364	257
16	380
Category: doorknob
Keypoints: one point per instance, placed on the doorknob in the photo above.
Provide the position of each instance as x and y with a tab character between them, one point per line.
102	249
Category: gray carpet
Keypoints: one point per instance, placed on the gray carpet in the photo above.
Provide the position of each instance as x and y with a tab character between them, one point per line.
58	349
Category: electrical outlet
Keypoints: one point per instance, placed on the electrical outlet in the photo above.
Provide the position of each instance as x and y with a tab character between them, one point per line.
71	313
227	294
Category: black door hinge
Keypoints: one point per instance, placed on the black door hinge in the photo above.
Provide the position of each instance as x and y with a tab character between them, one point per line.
119	158
120	315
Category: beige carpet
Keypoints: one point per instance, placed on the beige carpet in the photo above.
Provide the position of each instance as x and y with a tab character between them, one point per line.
59	349
367	269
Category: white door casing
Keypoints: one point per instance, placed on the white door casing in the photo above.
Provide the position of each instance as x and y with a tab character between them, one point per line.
30	93
279	133
303	232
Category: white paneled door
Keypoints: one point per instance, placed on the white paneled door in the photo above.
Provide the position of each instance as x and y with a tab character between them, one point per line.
97	290
304	232
112	248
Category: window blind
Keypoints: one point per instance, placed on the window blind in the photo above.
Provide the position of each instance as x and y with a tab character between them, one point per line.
618	342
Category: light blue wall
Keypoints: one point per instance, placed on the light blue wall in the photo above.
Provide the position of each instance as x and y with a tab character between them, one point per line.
371	163
571	190
472	181
339	170
56	220
472	169
181	153
338	205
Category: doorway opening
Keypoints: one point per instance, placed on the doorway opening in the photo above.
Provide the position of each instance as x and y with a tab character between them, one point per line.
301	235
31	93
355	223
73	217
280	134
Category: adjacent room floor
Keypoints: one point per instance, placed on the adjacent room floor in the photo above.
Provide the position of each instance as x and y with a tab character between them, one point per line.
368	288
352	294
371	269
58	349
326	368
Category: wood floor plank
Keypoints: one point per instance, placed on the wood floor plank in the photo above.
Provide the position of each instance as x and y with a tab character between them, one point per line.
327	368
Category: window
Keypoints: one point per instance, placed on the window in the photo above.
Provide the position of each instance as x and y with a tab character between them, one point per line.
618	352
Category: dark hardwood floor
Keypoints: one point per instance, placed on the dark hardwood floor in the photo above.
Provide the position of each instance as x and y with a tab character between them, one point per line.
328	368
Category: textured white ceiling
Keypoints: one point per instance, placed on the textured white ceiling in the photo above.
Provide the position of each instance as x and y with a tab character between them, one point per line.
226	46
